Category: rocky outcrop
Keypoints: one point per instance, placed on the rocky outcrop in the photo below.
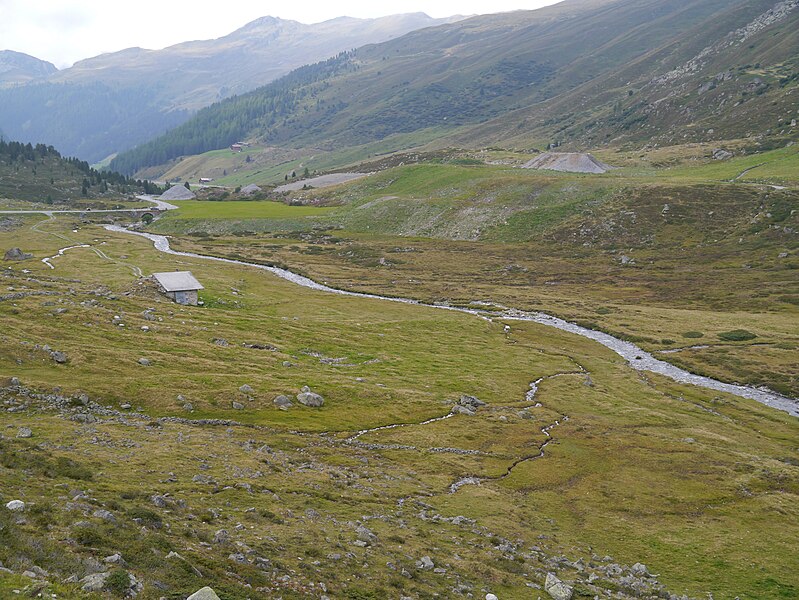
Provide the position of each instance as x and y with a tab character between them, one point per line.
556	588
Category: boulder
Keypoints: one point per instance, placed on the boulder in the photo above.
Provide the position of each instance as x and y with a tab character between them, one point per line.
59	357
462	410
238	406
249	190
308	398
16	506
283	402
94	582
246	389
145	362
425	563
204	594
721	154
17	254
556	588
105	515
471	401
24	432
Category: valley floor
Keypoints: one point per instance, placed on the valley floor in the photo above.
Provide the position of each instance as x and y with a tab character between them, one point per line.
145	442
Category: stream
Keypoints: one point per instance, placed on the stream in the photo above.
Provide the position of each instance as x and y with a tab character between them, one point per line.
636	357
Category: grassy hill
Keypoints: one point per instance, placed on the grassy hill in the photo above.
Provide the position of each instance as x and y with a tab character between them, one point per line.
578	73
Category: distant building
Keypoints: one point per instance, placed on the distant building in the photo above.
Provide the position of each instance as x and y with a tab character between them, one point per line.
236	148
181	286
206	179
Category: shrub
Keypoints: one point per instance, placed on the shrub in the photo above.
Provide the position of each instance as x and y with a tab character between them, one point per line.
118	582
737	335
693	334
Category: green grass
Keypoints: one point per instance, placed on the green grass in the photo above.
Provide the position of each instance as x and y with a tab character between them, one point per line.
195	209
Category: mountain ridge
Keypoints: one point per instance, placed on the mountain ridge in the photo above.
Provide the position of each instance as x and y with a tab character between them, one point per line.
170	84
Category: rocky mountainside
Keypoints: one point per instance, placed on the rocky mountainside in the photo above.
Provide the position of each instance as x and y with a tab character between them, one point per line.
17	68
586	72
111	102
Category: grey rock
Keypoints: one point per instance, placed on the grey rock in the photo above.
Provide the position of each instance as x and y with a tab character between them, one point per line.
309	398
104	515
365	535
425	563
246	389
16	506
471	401
145	362
16	254
188	407
640	570
721	154
221	537
556	588
221	342
94	582
238	405
59	357
115	559
204	594
238	558
24	432
462	410
283	402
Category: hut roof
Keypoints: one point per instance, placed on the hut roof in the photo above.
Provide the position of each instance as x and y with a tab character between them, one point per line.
178	281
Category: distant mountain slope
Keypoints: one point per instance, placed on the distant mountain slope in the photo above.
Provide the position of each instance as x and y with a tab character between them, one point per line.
734	74
40	174
523	77
112	102
18	68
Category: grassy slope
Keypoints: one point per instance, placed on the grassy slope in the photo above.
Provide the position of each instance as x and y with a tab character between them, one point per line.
620	478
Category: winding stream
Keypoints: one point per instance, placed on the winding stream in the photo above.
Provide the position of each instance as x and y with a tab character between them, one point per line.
636	357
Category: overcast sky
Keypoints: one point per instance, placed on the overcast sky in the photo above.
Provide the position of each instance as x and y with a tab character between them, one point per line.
64	31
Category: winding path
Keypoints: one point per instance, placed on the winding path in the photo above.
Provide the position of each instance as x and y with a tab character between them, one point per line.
636	357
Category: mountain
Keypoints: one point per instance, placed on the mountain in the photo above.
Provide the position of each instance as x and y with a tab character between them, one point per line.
17	68
111	102
584	72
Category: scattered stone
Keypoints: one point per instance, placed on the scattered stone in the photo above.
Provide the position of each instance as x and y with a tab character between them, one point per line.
221	342
221	537
365	535
115	559
204	594
17	254
471	401
308	398
721	154
640	570
145	362
425	563
94	582
238	406
188	407
462	410
283	402
105	515
16	506
556	588
491	597
24	432
59	357
246	389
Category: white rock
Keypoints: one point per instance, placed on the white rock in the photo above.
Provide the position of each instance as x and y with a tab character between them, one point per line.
16	506
204	594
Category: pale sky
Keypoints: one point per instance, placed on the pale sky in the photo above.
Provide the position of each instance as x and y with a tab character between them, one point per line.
64	31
